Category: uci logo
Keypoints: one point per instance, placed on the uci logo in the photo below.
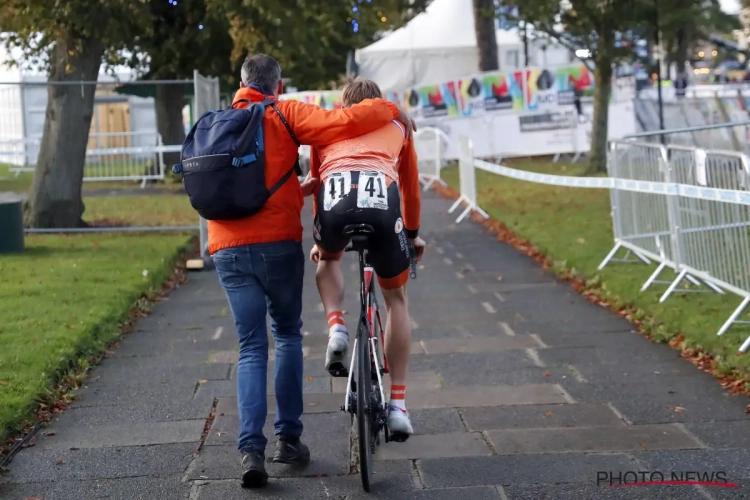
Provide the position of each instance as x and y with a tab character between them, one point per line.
547	98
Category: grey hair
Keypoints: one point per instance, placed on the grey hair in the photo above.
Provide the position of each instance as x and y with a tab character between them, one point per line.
261	70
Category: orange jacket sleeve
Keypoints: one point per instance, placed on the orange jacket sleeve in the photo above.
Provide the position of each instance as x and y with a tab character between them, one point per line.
315	174
408	183
318	127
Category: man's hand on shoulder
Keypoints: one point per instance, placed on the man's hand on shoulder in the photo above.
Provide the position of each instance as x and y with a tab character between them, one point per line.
308	185
411	125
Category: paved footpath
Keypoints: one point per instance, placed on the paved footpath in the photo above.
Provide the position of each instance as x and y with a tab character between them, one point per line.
520	389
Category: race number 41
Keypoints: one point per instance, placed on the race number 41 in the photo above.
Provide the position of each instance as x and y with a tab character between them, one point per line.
337	186
372	191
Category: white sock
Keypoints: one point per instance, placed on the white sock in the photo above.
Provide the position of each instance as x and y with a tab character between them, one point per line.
338	332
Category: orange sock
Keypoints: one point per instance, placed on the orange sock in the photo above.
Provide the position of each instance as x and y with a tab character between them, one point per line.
398	396
335	318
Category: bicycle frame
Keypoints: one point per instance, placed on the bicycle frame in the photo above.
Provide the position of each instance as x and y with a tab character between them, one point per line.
369	313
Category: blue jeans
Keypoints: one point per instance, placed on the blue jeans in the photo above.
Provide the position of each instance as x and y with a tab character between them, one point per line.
259	279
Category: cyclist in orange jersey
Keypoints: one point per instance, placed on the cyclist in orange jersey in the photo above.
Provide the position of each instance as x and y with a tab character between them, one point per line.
364	181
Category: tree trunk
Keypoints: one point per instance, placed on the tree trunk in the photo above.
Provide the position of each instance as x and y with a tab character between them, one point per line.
681	54
602	89
170	99
55	200
484	27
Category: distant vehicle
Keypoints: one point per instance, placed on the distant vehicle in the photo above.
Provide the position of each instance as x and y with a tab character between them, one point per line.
729	71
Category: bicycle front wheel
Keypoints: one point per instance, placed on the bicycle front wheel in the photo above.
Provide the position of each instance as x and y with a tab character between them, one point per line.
364	390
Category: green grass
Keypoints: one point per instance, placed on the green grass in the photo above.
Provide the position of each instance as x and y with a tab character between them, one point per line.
21	183
148	210
62	300
573	227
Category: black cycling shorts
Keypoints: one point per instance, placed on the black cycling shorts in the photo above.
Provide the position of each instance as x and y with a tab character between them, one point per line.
362	197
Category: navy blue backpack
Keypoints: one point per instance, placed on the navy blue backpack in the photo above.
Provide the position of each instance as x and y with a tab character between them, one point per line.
223	162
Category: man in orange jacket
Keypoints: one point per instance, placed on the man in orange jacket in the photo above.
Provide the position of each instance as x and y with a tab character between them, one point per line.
260	262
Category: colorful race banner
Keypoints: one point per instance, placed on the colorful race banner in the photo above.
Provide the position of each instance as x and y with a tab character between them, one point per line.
528	90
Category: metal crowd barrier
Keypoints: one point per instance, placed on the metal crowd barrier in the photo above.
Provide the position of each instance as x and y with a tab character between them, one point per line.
683	208
430	143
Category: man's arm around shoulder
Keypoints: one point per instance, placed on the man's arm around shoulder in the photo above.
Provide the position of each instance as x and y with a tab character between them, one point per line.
318	127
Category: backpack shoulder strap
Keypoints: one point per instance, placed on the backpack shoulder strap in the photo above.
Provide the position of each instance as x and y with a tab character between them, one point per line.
283	120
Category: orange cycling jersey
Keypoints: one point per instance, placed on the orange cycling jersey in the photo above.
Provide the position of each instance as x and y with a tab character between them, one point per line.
387	151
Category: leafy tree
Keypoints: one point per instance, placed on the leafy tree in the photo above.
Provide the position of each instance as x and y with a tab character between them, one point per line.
183	36
310	38
70	39
687	22
596	26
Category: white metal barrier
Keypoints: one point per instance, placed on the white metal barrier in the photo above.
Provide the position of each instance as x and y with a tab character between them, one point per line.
115	156
685	209
468	182
430	144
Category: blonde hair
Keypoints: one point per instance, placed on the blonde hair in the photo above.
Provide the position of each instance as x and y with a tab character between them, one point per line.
359	89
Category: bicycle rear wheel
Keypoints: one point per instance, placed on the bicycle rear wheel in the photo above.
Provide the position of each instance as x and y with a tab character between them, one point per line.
364	390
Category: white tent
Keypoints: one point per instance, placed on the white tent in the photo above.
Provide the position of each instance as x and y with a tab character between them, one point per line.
440	44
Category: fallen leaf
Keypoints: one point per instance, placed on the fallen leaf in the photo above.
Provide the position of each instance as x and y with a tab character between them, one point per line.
50	433
546	374
581	241
643	446
499	278
95	244
3	383
676	409
309	379
548	414
59	462
202	381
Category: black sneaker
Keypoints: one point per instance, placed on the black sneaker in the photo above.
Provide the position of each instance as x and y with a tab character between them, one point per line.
254	473
291	451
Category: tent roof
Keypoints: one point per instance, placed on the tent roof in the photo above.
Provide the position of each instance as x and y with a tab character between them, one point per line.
444	24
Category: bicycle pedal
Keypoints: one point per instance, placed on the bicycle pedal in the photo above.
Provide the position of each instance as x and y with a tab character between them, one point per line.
338	370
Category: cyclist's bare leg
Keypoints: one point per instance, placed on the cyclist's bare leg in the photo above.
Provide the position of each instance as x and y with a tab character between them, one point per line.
397	350
330	281
397	334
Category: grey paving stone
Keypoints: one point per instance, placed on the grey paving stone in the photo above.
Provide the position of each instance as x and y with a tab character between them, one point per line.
314	403
680	399
492	344
155	370
114	394
436	421
462	444
136	488
539	416
590	439
417	381
329	456
226	428
656	357
489	396
593	492
521	469
734	462
137	412
723	434
124	434
476	361
42	466
392	479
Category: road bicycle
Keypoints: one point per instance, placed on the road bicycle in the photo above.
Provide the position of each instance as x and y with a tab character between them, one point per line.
365	397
